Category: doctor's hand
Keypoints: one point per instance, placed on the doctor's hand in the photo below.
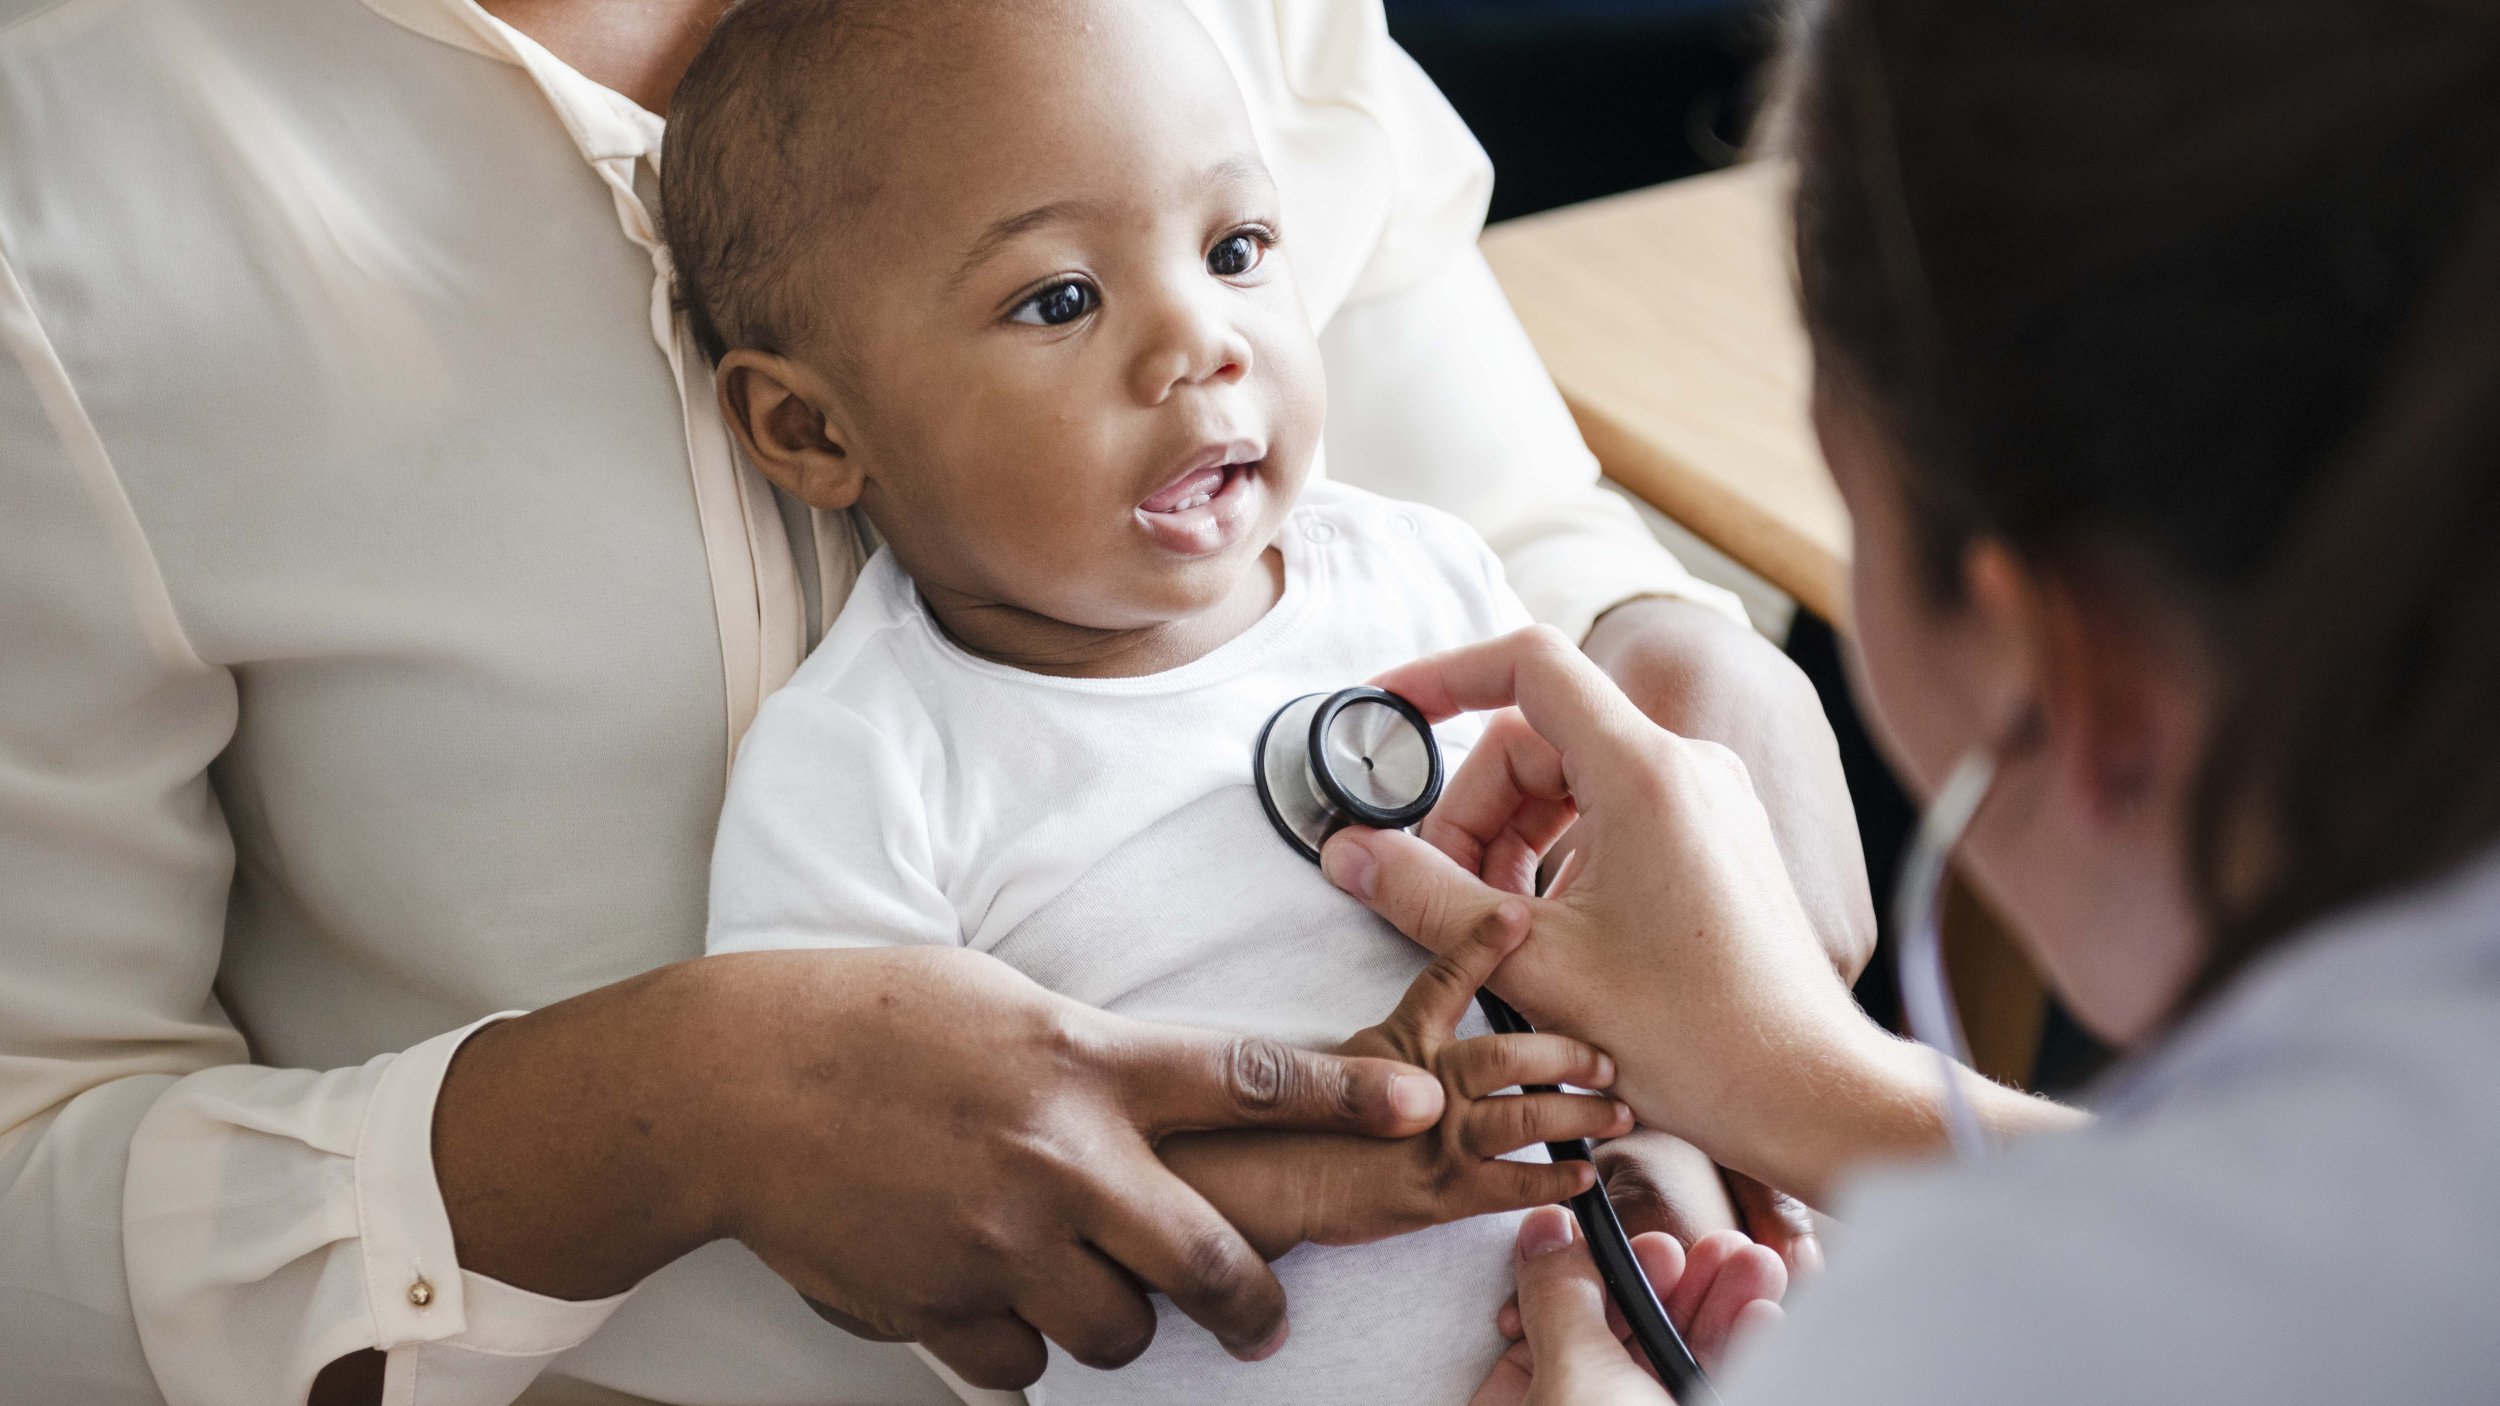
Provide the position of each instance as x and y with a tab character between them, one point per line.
1572	1349
1678	944
920	1140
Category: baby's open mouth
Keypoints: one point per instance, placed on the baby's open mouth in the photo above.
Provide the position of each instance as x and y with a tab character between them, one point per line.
1208	503
1194	489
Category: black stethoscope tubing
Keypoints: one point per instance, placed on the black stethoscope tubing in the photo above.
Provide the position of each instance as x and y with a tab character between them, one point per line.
1626	1283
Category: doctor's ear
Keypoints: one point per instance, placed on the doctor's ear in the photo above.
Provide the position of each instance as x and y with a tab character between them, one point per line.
2097	670
782	413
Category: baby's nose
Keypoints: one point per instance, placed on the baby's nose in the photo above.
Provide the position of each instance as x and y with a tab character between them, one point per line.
1192	348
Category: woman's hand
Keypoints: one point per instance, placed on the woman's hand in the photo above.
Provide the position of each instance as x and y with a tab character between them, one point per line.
921	1140
1678	946
1572	1348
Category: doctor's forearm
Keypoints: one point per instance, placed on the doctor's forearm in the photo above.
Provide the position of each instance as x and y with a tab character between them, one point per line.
1868	1100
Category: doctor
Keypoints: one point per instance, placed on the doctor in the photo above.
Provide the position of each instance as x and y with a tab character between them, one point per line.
2159	362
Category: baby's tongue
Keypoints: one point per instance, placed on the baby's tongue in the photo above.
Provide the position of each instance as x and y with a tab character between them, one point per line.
1190	485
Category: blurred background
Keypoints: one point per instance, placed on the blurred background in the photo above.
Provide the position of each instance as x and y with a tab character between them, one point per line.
1576	99
1581	98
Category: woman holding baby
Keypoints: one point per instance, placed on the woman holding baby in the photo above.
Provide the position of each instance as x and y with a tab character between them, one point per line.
382	603
2156	360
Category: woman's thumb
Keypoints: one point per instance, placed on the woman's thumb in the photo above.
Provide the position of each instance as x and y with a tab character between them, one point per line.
1418	889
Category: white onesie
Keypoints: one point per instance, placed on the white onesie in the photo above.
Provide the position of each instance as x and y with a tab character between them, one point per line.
1103	837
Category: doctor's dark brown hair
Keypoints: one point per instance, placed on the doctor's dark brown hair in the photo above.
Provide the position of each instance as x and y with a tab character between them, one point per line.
2205	295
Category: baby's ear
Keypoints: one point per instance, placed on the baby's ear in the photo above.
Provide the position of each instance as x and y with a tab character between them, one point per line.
780	410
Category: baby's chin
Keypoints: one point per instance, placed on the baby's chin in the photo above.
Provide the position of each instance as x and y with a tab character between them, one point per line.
1166	591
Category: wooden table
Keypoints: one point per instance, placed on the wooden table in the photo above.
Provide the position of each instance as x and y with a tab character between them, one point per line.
1668	318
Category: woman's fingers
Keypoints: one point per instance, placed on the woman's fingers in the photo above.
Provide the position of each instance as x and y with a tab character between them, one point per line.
1155	1227
1487	1064
1091	1307
1174	1079
1562	1305
1495	1127
999	1352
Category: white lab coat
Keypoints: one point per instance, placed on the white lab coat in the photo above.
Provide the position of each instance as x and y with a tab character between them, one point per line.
380	600
2296	1200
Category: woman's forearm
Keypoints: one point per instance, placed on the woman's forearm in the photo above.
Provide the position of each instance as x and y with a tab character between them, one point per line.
569	1159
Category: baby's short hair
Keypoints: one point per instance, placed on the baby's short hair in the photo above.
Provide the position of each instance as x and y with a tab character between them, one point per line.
761	160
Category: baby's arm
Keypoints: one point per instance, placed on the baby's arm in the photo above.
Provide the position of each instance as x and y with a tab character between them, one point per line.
1284	1190
824	837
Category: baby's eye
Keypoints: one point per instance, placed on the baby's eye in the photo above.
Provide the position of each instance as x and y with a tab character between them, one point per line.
1235	255
1057	305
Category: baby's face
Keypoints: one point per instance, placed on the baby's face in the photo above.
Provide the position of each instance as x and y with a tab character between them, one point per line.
1079	381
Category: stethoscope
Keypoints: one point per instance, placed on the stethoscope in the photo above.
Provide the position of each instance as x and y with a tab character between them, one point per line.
1365	756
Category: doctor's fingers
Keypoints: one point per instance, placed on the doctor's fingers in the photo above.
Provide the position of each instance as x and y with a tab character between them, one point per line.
1419	889
1779	1222
1154	1226
1173	1079
1504	807
1562	1305
1727	1287
1561	692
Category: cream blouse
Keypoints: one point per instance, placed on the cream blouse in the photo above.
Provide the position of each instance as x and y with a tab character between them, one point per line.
380	600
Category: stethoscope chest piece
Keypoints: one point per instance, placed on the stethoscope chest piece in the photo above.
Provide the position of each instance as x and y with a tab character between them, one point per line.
1359	756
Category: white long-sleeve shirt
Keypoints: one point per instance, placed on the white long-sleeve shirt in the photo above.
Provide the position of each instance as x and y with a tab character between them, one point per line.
380	601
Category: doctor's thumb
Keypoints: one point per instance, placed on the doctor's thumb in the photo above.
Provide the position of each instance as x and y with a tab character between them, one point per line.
1418	889
1562	1305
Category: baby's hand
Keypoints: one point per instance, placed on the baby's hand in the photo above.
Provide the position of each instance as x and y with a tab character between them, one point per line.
1282	1190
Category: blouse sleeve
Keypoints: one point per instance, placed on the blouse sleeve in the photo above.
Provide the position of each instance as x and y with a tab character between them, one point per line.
1434	393
176	1223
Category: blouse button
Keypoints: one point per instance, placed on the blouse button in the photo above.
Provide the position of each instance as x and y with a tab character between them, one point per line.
1405	525
421	1293
1320	531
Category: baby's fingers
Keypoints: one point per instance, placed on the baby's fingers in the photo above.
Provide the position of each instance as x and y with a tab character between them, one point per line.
1443	992
1491	1127
1492	1187
1488	1064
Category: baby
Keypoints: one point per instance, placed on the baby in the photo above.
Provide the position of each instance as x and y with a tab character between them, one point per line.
1009	277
